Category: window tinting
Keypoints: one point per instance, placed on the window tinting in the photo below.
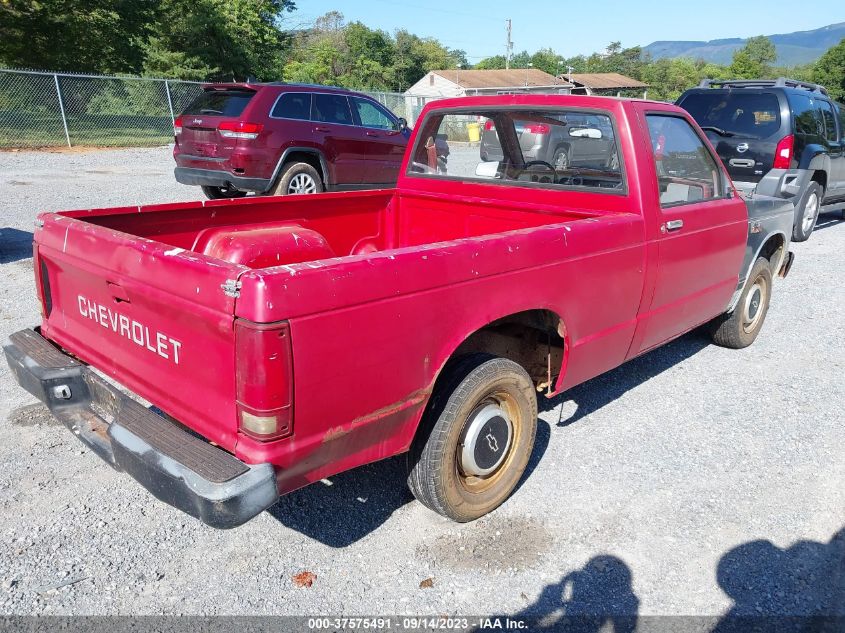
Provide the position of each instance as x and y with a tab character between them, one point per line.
840	111
747	115
371	115
293	105
806	114
331	109
686	172
527	148
220	102
829	121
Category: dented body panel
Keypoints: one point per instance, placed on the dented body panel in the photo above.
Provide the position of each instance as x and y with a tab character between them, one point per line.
386	286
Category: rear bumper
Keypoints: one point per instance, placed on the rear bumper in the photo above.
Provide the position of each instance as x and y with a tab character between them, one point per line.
219	178
176	466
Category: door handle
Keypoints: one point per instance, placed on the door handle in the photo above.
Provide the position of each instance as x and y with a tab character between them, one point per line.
321	129
673	225
371	133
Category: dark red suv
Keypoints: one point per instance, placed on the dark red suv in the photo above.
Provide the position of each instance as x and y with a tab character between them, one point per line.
286	138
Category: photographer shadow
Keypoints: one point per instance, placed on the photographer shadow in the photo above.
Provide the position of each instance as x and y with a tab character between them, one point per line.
597	597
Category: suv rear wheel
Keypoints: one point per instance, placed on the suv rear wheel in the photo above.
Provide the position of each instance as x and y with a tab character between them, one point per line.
807	212
298	178
218	193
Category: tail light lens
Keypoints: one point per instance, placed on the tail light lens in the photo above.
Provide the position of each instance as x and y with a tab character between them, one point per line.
536	128
239	129
783	152
42	283
264	374
489	125
177	126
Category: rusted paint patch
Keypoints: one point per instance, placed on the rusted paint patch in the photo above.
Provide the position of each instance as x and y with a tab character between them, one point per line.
412	400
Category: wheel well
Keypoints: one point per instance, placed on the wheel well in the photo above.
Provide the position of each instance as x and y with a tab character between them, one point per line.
773	251
533	339
304	157
820	177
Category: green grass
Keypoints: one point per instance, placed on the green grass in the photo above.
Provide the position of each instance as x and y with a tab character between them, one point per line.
45	130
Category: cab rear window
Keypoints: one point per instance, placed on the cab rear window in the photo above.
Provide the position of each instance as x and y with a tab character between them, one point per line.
229	103
747	115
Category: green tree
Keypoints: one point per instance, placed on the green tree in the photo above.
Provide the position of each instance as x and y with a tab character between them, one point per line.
829	71
753	61
218	39
96	36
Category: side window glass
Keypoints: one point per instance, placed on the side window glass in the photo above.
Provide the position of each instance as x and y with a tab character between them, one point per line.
840	111
293	105
371	115
807	117
686	171
331	109
829	121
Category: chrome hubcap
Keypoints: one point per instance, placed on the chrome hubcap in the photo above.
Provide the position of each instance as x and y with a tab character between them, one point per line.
753	308
485	441
810	210
302	183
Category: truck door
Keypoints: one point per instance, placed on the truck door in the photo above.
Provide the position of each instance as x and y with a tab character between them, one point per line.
700	232
835	141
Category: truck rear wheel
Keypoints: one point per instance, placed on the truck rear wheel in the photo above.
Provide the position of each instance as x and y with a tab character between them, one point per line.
739	328
476	438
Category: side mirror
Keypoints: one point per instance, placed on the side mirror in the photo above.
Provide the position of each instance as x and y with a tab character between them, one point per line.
586	132
487	169
401	124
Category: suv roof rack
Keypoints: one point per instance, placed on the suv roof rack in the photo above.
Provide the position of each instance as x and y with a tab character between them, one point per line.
780	82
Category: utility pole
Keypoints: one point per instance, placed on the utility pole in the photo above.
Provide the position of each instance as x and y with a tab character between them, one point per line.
509	46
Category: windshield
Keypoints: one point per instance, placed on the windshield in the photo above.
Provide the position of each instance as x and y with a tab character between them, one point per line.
742	114
220	102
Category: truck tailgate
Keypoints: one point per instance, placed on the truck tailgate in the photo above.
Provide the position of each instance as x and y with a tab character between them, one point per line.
153	317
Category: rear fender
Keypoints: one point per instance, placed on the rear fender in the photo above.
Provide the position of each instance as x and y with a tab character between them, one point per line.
328	177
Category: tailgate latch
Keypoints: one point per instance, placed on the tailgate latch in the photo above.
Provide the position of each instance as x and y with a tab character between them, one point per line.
231	288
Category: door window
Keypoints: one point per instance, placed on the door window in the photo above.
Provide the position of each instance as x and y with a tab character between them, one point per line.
331	109
829	121
807	117
686	171
371	115
293	105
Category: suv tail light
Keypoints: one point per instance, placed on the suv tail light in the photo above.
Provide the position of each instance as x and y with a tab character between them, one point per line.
239	129
783	152
177	126
264	375
489	125
536	128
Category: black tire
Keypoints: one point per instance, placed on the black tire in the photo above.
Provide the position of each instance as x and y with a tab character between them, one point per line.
807	212
298	178
561	159
471	389
739	328
221	193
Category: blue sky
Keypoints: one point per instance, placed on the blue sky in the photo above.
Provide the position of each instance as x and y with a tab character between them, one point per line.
478	26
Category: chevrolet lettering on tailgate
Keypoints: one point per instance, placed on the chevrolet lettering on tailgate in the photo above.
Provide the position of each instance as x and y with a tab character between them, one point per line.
138	333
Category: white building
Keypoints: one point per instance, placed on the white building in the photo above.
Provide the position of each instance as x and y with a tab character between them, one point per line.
466	83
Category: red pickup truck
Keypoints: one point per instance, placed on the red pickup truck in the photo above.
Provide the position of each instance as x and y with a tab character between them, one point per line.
282	340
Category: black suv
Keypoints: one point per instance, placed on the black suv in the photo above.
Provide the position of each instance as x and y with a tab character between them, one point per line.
778	137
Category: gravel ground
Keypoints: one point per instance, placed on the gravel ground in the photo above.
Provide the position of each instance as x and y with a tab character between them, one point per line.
695	480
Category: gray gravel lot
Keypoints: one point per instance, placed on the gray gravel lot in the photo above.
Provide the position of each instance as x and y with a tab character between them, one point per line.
694	480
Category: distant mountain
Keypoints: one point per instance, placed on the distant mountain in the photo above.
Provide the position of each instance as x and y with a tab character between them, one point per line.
800	47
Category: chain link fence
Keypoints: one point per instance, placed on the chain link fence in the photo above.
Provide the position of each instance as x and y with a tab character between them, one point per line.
52	109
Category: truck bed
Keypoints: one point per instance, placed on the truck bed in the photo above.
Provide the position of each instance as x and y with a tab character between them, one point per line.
164	284
267	232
